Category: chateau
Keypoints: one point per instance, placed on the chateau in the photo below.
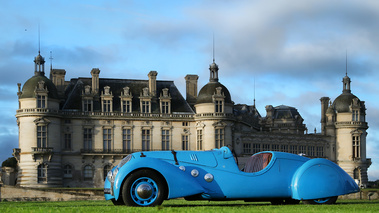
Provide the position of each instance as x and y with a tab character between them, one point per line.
71	133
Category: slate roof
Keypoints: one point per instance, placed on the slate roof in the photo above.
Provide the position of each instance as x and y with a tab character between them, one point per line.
285	112
73	95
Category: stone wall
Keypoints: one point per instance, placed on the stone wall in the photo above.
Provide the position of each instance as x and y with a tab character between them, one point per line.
11	193
363	195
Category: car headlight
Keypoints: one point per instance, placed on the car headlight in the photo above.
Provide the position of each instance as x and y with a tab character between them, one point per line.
124	161
110	176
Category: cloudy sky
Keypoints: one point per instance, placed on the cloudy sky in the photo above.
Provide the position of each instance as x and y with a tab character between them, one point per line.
294	50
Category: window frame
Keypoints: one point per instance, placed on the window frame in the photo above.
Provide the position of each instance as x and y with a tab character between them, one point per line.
146	139
42	133
88	173
87	141
107	139
165	136
219	137
42	173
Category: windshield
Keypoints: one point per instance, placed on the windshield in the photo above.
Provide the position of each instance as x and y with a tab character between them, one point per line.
257	162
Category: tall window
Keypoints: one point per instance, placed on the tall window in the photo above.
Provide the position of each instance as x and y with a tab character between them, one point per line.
219	138
41	101
107	106
319	151
265	147
88	172
356	146
218	106
146	139
293	149
87	105
247	148
165	107
199	138
356	173
41	136
355	115
275	147
107	139
42	173
311	151
126	140
145	106
67	141
165	139
87	138
185	143
256	147
284	148
67	171
302	150
127	106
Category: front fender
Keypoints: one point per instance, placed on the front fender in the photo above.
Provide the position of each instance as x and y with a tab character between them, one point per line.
179	183
321	178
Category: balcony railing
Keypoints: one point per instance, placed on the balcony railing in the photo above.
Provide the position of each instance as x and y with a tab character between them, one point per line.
37	150
352	123
108	114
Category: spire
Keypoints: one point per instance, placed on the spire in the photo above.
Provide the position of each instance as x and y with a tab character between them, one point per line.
213	68
213	48
346	62
254	92
39	61
51	60
346	81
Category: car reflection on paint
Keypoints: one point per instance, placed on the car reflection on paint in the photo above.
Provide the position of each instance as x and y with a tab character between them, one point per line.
149	178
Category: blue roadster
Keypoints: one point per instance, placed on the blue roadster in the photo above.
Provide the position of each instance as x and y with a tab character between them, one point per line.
149	178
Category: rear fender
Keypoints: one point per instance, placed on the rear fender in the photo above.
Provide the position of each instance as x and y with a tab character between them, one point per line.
179	183
321	178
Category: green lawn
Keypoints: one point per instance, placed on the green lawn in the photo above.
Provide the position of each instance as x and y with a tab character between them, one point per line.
188	206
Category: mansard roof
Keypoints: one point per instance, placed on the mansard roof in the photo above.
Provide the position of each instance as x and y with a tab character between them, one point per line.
286	112
73	94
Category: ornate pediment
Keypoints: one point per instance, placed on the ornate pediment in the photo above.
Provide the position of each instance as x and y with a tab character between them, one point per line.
41	121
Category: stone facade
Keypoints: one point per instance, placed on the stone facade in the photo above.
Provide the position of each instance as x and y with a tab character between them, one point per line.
71	133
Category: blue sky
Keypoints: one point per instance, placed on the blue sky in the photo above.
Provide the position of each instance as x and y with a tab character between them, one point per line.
294	50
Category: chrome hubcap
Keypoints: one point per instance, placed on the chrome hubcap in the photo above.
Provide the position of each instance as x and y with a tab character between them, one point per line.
144	191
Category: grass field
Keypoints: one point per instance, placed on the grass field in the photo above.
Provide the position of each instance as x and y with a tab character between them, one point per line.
188	206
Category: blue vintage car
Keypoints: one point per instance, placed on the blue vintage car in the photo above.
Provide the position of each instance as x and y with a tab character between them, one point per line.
149	178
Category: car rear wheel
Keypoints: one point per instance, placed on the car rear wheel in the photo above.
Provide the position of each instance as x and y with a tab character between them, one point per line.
144	188
328	200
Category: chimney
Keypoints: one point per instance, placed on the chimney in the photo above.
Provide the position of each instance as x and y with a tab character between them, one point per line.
95	80
57	76
191	89
324	107
152	82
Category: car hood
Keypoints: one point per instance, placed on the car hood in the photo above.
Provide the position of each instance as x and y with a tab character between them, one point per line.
203	158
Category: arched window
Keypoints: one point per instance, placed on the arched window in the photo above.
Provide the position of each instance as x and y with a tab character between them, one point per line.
67	171
107	168
88	172
42	173
356	173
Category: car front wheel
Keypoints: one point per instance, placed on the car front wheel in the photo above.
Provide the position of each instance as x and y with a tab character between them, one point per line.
144	188
328	200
